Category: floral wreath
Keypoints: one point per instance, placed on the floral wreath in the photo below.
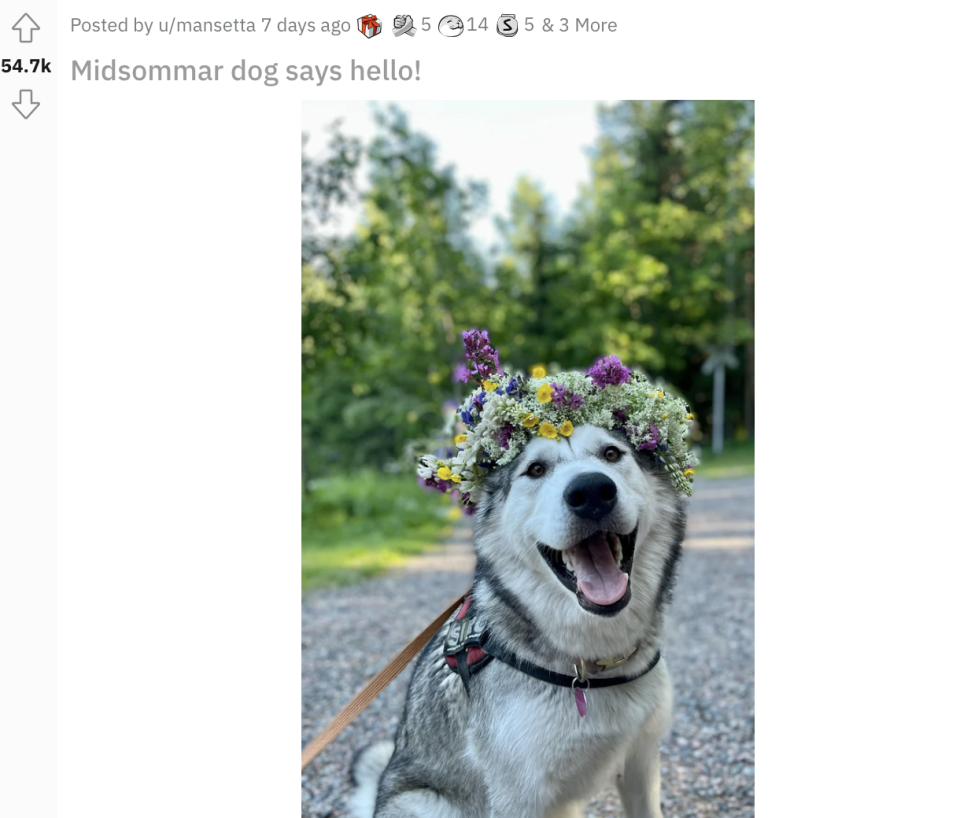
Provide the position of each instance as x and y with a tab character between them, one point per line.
506	411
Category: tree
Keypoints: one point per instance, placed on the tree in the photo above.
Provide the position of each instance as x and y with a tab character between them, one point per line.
668	229
384	312
655	265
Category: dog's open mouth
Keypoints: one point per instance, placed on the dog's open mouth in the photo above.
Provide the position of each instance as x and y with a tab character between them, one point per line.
596	569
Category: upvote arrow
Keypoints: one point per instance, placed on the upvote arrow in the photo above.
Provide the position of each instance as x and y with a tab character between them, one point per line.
26	25
26	105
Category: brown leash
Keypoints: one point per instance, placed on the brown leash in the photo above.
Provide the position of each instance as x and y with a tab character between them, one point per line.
375	686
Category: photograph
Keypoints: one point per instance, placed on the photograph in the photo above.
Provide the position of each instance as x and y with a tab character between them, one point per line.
488	526
527	458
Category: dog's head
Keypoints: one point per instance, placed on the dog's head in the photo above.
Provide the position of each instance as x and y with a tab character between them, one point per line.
581	529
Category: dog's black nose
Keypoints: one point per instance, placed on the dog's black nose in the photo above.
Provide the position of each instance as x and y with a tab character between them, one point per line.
591	496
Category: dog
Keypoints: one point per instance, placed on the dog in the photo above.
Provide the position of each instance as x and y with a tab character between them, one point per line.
577	543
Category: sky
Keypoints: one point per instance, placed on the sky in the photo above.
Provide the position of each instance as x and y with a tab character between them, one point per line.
491	142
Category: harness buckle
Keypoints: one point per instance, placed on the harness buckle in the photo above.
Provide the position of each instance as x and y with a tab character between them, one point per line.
462	634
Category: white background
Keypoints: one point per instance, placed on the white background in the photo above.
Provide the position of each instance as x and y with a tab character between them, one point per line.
173	240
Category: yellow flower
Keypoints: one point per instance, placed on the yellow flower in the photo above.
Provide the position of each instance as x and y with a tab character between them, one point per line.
566	428
664	416
658	394
689	415
489	386
455	477
460	439
444	473
545	393
547	430
538	371
689	472
530	421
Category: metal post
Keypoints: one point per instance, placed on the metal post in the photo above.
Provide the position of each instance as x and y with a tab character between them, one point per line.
719	382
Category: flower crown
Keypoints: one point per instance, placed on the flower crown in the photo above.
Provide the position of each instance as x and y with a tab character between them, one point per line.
506	411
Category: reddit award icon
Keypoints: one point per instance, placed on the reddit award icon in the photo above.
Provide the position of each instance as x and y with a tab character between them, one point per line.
450	26
369	25
507	25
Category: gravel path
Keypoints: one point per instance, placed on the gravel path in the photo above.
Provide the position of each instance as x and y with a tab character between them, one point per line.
707	757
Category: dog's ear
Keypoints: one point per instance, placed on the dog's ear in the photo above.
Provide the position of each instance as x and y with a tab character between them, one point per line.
497	483
492	494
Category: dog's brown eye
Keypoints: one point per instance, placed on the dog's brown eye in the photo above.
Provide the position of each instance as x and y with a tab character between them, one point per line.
536	470
612	454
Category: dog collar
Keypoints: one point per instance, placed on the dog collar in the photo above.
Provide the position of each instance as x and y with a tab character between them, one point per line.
468	647
581	680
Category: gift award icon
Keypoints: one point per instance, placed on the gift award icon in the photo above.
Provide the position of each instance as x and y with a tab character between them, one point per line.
369	25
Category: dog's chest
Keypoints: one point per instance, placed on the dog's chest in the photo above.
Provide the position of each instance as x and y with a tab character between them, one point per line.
532	735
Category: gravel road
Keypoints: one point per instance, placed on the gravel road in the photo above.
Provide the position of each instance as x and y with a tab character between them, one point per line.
707	758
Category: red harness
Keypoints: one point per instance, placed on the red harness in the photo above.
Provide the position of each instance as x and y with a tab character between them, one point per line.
467	648
462	645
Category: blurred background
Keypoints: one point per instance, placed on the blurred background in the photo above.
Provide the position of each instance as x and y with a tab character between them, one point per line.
569	230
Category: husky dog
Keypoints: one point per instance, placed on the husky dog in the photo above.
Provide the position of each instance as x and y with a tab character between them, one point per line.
577	543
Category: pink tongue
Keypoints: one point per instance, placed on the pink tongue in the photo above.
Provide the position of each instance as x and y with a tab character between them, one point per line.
598	575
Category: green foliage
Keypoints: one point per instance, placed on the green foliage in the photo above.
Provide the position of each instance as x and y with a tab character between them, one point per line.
736	461
369	499
358	525
655	265
381	313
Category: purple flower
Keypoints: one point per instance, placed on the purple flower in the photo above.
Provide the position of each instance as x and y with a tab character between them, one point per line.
564	397
461	373
479	352
608	371
504	436
653	441
434	483
621	414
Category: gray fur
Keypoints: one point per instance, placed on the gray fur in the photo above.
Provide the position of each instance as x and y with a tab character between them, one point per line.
516	745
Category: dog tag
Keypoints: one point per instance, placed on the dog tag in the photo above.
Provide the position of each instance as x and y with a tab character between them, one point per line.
580	696
580	693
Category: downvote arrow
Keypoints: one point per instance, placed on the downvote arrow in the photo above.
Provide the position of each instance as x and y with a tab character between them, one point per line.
26	25
26	105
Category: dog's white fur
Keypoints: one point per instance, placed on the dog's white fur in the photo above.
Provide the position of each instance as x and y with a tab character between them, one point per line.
523	738
537	513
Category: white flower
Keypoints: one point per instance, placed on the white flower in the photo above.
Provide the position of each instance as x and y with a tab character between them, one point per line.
642	402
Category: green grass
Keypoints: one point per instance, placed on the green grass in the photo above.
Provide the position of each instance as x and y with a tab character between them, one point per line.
357	526
736	460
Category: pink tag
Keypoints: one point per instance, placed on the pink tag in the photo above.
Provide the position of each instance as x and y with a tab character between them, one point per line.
581	698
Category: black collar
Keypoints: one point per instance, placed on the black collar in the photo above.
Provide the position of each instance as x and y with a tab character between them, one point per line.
468	647
498	652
